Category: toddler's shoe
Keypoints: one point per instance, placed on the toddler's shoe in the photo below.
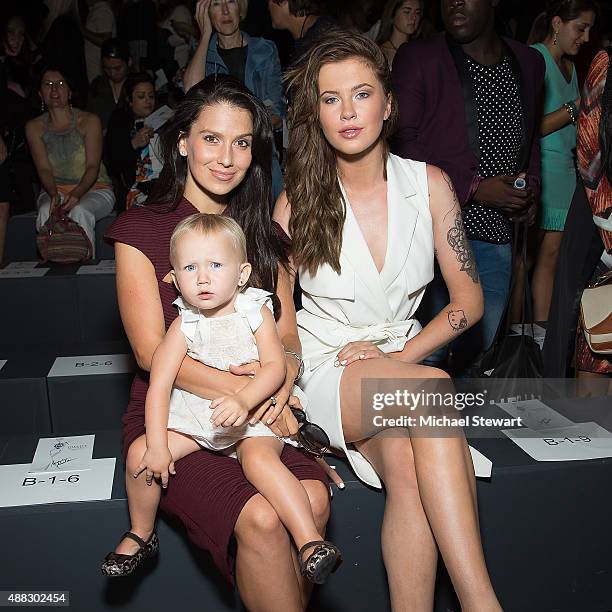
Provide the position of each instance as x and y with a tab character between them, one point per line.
116	564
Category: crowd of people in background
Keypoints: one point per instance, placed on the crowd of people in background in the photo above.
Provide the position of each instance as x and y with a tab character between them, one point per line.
120	61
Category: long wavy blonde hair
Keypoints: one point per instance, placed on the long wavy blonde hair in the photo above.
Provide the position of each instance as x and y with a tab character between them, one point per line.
318	211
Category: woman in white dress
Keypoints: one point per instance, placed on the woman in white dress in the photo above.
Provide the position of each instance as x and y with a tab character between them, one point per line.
365	227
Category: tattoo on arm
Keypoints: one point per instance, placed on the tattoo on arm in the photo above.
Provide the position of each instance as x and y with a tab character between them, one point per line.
457	320
458	241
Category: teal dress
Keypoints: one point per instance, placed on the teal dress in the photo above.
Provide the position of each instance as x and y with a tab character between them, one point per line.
558	148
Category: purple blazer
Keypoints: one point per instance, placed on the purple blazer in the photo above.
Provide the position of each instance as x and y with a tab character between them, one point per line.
438	121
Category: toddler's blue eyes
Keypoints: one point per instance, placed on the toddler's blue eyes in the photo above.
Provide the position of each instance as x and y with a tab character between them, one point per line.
215	265
190	268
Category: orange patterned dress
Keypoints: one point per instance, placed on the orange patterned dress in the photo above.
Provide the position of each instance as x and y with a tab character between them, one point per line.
598	188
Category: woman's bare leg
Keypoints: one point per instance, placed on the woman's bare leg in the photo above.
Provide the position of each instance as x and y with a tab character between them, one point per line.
265	573
445	486
544	274
318	495
143	499
408	546
260	461
265	546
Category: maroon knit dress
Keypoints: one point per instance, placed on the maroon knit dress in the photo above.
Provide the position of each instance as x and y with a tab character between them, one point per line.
209	490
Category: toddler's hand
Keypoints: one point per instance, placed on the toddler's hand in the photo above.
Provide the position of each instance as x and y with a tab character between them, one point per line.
228	411
158	464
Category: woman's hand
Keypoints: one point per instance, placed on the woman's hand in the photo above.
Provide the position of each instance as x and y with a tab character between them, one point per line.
158	463
268	413
70	202
202	18
356	351
285	425
56	198
331	472
142	137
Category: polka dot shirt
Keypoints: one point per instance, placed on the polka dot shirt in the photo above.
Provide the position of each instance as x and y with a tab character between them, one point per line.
500	134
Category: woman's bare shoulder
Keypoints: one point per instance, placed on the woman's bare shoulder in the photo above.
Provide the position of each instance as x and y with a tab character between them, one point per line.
87	121
35	126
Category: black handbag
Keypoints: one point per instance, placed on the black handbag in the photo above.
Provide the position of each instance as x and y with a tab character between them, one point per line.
515	356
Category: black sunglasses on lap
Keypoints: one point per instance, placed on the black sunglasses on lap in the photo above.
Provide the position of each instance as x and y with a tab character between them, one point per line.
311	437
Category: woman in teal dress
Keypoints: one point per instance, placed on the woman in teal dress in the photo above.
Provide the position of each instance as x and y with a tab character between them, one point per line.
569	23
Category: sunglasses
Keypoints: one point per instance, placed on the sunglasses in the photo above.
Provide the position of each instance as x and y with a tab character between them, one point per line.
311	437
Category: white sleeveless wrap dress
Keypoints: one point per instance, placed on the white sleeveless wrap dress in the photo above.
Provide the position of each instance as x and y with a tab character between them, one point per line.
362	304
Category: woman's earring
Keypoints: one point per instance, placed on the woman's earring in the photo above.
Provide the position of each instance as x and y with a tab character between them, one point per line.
556	33
42	106
182	153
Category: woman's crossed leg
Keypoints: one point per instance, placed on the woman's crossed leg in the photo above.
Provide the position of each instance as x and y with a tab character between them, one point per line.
431	499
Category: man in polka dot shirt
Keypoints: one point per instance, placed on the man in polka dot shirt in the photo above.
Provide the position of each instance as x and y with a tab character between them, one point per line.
470	103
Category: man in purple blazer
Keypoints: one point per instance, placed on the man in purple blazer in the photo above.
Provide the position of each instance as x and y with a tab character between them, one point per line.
469	103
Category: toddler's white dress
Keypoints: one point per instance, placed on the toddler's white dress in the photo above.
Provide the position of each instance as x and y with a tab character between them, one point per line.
220	342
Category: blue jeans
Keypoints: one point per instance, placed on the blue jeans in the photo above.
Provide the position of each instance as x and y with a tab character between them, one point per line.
494	263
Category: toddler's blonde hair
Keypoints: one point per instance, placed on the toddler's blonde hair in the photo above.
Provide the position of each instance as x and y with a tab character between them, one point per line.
206	224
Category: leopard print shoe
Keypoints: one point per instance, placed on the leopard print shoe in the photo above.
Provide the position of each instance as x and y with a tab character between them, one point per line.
324	560
116	564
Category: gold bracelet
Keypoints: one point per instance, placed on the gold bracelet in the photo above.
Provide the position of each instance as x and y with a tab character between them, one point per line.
570	111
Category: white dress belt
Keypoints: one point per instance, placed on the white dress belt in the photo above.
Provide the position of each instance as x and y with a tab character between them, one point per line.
391	336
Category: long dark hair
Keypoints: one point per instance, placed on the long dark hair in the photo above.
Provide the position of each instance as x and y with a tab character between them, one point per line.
388	16
566	10
249	202
318	210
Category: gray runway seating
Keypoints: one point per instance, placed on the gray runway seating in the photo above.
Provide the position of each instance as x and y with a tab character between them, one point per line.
61	306
84	396
543	527
24	405
39	397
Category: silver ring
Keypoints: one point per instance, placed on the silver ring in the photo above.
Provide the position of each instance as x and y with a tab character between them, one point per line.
520	183
273	400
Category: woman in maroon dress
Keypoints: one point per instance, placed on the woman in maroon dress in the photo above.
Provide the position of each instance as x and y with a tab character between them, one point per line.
217	159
